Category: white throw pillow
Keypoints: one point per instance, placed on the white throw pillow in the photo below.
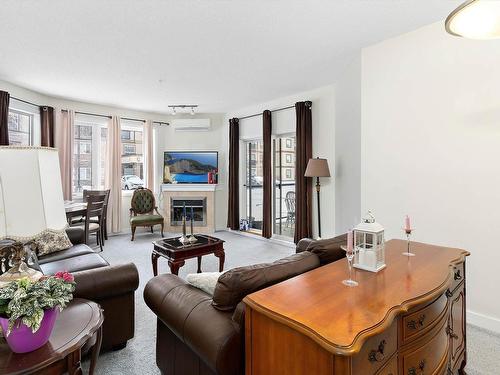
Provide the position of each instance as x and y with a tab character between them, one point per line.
205	281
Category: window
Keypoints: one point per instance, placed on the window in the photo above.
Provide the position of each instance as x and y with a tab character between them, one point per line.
89	153
284	185
128	149
132	157
20	126
253	184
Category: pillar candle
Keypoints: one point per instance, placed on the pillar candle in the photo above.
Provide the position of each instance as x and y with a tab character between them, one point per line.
407	223
349	241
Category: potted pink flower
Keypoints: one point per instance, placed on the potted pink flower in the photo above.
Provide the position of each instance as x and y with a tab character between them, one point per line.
28	309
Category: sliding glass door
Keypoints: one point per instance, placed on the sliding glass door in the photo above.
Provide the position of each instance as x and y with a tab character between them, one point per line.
253	184
284	185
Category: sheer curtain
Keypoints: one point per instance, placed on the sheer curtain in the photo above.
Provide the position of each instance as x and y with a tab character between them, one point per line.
112	178
148	154
64	131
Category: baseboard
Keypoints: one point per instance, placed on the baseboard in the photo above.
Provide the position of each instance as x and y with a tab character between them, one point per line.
483	321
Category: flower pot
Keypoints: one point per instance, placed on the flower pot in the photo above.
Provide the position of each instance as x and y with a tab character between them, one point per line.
22	340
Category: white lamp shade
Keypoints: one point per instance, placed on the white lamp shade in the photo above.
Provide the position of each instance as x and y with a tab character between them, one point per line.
31	198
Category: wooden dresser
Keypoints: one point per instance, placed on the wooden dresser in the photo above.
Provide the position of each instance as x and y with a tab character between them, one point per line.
408	319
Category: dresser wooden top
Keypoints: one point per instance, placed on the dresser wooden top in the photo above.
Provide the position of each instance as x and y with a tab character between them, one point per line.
340	318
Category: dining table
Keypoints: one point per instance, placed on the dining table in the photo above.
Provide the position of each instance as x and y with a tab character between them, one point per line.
75	209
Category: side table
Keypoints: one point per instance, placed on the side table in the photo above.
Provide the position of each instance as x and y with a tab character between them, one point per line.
78	323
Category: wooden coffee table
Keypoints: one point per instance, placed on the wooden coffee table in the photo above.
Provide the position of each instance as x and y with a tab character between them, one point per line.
176	253
78	323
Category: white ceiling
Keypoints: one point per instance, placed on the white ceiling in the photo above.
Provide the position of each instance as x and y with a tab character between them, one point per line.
220	54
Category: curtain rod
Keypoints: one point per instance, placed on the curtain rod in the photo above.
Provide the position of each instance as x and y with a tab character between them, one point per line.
25	101
308	104
122	118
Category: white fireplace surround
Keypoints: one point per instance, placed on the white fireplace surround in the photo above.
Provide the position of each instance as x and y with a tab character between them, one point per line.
189	191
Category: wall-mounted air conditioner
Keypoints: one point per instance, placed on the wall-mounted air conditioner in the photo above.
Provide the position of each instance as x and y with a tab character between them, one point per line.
191	125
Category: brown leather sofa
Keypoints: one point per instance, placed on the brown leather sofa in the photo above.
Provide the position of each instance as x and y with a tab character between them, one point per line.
112	287
198	334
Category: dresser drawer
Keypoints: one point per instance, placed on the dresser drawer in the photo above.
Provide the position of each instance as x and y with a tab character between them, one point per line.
417	323
458	276
429	358
391	368
376	351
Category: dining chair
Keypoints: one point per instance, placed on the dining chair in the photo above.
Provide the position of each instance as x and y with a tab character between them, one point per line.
93	222
104	226
290	208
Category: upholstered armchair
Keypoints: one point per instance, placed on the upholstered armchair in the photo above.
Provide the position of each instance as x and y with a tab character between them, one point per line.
143	211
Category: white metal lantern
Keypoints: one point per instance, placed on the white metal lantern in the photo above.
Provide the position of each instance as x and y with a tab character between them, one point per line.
369	245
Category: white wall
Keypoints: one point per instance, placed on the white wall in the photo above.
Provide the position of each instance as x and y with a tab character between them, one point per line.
348	147
165	138
430	149
323	124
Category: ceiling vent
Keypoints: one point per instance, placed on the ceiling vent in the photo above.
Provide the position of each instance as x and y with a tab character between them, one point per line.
191	125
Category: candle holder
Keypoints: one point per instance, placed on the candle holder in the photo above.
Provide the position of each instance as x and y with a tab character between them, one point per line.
350	256
408	253
184	239
192	238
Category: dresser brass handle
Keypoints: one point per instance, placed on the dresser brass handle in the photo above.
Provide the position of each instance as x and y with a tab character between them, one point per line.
413	324
457	275
413	370
450	333
378	355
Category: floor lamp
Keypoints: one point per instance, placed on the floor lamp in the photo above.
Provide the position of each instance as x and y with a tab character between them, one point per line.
317	168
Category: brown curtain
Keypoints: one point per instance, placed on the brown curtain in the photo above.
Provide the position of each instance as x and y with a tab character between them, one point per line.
267	211
4	118
303	185
47	126
233	205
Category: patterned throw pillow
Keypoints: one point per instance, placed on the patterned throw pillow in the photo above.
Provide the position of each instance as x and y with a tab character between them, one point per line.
51	242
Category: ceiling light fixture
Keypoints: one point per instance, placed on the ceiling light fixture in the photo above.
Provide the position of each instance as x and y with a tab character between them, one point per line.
475	19
183	106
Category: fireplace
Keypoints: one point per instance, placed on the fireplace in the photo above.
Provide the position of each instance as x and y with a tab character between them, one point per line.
194	205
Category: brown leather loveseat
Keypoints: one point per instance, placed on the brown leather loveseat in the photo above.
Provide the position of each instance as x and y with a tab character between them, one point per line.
113	287
198	334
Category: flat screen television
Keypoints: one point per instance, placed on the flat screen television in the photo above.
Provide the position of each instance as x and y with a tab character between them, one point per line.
189	167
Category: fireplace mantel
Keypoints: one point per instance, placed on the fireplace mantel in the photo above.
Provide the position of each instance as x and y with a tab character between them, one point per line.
188	187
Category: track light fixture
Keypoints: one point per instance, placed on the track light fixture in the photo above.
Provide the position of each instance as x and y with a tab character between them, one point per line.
183	106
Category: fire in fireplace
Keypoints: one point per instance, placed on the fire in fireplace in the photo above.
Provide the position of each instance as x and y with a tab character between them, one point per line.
196	206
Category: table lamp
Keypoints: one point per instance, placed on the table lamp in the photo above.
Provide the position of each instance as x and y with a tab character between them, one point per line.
317	168
31	204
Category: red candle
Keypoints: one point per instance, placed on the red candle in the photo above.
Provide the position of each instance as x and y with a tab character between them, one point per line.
407	224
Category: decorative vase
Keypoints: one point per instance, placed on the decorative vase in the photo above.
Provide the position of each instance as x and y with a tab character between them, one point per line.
21	338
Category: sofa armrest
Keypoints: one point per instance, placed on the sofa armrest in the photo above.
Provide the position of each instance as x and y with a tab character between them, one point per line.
76	235
189	314
104	282
303	244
